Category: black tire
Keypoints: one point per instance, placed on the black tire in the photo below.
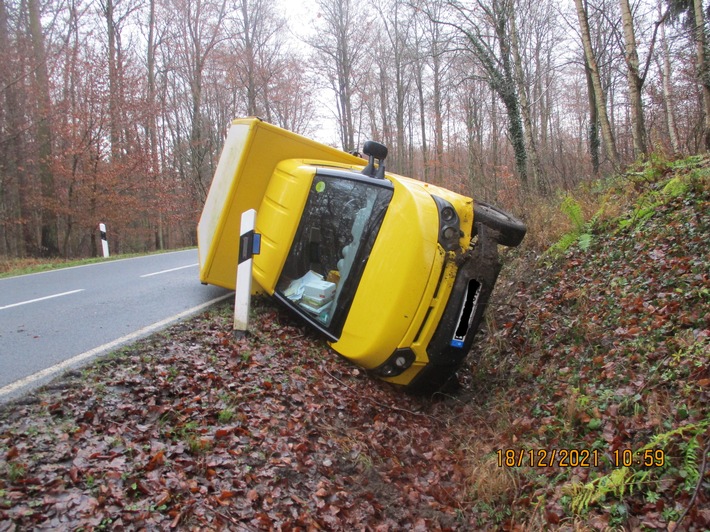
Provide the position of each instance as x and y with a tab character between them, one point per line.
510	229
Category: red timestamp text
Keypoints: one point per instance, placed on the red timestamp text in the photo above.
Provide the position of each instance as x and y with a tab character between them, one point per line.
548	457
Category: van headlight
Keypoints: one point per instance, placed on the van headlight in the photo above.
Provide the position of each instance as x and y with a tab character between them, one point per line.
449	225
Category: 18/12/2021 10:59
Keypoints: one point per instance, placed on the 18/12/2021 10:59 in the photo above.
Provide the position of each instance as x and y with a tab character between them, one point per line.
579	458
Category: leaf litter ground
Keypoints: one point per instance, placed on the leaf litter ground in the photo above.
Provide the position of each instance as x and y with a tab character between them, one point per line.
604	350
191	429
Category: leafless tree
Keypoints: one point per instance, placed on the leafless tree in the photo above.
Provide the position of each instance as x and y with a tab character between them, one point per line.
703	64
665	71
599	93
258	43
48	225
475	24
196	34
341	45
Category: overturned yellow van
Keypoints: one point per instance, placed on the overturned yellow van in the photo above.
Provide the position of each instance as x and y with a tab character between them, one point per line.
394	272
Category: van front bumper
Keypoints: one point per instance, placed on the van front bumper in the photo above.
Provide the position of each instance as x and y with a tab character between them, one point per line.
476	276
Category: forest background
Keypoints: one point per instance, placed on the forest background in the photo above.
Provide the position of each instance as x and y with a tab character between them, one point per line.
115	111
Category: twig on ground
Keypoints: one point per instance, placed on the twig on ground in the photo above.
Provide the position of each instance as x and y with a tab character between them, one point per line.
697	486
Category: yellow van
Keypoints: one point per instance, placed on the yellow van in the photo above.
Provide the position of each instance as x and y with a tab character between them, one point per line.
394	272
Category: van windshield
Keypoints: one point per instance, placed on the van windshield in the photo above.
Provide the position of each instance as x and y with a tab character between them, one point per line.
332	244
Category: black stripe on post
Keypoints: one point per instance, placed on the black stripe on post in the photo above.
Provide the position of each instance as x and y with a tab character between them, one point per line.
246	246
249	245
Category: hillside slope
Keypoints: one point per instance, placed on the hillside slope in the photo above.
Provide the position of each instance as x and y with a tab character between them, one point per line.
605	351
600	349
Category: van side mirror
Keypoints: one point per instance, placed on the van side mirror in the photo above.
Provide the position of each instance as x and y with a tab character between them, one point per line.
375	152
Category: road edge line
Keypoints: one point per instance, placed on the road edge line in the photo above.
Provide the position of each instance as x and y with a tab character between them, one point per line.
140	333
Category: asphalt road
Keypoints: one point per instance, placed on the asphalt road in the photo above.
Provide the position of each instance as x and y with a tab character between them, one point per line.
57	320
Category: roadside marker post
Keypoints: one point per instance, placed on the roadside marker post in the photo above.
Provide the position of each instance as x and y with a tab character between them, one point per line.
104	240
249	245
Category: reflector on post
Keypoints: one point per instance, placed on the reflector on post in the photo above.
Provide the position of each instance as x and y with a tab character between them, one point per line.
249	245
104	239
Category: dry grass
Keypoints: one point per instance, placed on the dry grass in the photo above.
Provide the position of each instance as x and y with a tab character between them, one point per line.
18	266
8	265
546	224
489	483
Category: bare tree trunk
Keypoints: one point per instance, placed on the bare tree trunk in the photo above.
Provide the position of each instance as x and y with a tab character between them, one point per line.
435	50
438	120
538	179
198	148
495	148
200	33
422	118
593	130
635	82
703	67
151	125
599	96
247	31
384	108
49	244
668	97
12	197
113	81
403	165
341	43
394	63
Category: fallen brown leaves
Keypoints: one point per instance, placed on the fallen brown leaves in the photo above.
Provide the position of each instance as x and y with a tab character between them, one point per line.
192	430
607	350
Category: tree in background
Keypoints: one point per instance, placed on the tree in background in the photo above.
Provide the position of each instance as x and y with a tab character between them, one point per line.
343	42
115	111
496	60
691	14
599	94
635	80
43	136
665	72
17	237
703	64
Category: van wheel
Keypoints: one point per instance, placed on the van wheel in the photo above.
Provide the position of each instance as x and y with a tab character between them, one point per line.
510	229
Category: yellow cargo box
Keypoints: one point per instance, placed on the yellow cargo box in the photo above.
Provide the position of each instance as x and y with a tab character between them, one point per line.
251	152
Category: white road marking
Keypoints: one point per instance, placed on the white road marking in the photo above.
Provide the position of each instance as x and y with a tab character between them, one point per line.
145	331
170	270
41	299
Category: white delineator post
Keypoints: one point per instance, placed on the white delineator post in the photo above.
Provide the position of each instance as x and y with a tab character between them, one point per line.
104	240
249	245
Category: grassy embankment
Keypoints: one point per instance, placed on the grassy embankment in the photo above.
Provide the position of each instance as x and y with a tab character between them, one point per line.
20	266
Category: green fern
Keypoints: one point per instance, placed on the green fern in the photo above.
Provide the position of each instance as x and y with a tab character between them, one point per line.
580	234
644	210
563	244
676	187
687	163
691	469
573	210
584	495
625	480
585	240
